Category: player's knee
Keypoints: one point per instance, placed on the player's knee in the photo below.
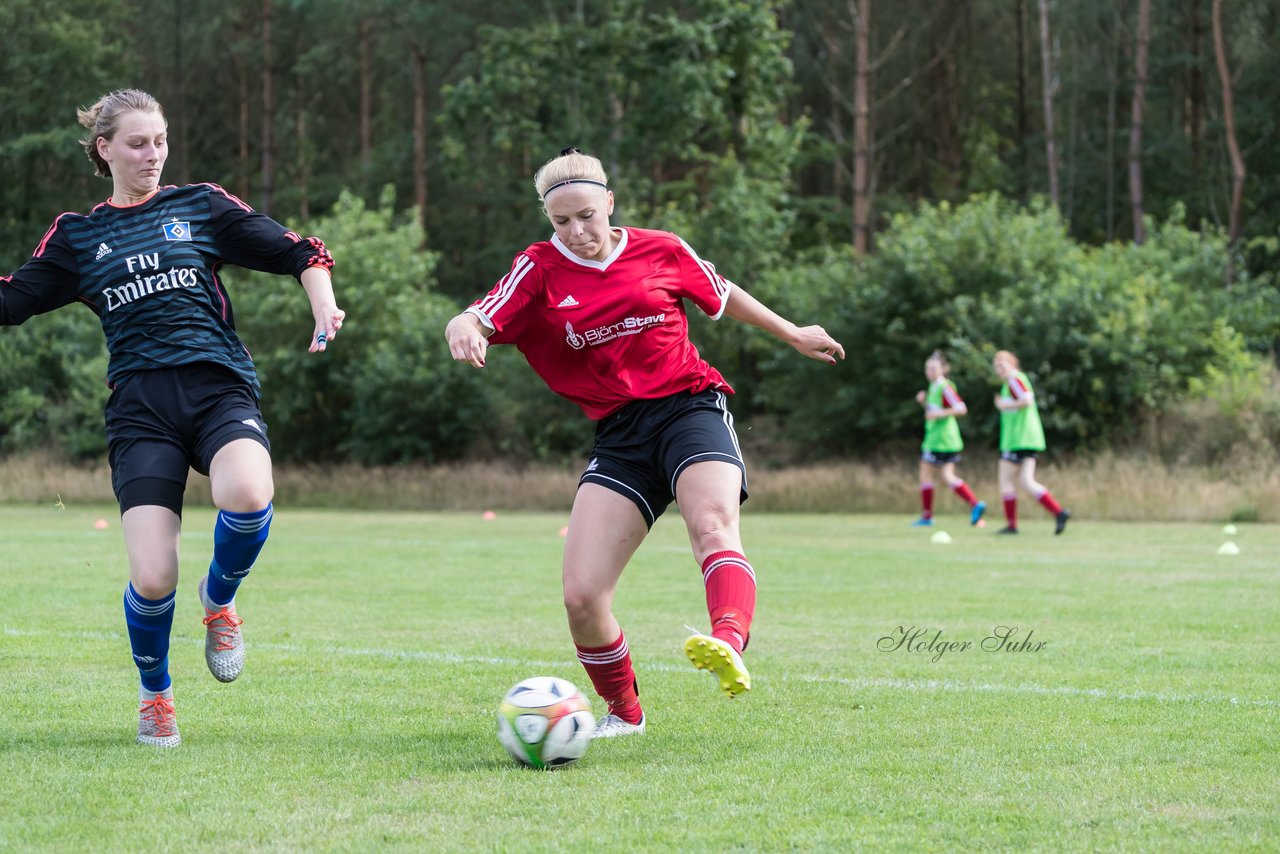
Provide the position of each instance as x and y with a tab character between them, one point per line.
152	581
714	527
248	498
582	605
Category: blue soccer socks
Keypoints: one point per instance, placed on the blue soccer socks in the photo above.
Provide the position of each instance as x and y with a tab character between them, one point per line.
149	621
237	539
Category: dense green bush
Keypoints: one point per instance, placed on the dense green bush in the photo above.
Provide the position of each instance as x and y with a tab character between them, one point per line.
386	390
1114	338
1108	335
1230	421
528	422
53	372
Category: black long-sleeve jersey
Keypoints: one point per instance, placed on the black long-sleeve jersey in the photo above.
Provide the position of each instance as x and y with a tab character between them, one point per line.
150	273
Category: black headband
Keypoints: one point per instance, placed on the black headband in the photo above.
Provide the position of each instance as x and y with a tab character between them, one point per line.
572	181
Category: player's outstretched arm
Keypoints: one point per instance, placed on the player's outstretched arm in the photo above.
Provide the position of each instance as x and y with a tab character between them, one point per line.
1007	404
50	279
468	339
324	307
811	341
946	412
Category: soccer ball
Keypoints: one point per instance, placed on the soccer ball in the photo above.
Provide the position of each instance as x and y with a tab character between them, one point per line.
545	722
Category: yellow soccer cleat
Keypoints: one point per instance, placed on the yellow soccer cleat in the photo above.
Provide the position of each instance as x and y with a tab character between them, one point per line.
713	654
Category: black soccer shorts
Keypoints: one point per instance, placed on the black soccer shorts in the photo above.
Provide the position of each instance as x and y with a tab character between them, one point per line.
641	450
162	422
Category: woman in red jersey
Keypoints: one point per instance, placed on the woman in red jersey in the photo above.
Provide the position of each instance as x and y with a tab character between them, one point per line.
598	312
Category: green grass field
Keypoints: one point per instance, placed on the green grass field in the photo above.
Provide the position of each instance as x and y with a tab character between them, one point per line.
380	645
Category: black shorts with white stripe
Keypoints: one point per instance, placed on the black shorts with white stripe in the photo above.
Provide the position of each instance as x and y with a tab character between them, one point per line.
641	450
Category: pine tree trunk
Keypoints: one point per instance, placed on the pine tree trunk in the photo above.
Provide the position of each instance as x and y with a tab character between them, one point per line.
1113	85
420	133
1135	127
1196	99
617	136
862	132
303	154
1046	68
1025	173
836	120
366	95
268	111
1072	145
179	109
942	79
242	155
1229	122
240	31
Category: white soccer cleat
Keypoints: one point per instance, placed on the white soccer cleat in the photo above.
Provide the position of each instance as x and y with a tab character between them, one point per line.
712	654
223	640
157	721
612	726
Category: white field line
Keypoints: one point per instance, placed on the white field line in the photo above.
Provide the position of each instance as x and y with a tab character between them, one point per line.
859	683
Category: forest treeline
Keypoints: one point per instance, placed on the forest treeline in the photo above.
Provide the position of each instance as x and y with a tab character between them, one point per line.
1091	184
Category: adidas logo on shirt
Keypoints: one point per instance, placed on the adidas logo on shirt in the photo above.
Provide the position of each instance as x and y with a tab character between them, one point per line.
567	302
103	249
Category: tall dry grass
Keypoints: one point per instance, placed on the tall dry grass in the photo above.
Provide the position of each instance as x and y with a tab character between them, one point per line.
1104	487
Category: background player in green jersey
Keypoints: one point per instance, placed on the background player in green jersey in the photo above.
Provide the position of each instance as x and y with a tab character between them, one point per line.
1021	438
942	444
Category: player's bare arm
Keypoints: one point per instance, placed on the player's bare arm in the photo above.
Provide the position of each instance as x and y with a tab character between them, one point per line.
318	284
935	414
1008	404
811	341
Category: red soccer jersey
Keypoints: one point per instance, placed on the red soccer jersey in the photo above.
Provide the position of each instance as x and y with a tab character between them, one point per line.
605	333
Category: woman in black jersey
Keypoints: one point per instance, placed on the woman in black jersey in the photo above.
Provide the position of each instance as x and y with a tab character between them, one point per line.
184	389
